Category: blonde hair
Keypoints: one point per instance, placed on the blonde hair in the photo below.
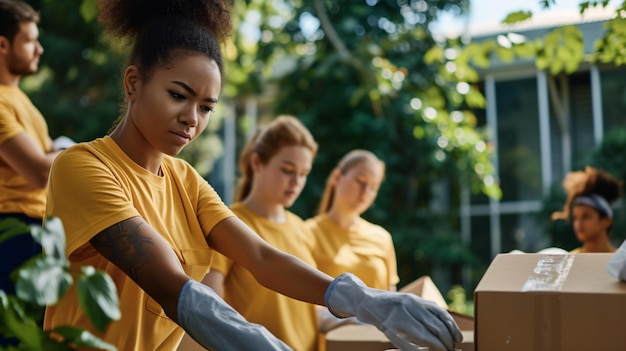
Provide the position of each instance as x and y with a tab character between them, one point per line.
347	162
284	131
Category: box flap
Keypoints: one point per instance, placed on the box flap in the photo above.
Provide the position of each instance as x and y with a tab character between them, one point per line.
425	288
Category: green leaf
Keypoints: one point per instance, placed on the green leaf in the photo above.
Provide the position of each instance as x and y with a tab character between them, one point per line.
506	55
51	236
525	50
16	323
97	295
89	10
12	227
517	16
475	99
435	54
83	338
43	281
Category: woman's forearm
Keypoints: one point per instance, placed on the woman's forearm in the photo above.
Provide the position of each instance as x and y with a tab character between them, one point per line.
291	276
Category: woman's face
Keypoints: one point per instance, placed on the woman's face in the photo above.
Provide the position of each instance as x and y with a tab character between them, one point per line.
588	224
356	189
282	179
174	105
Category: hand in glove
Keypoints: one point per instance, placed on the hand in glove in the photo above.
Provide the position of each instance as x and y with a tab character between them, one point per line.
407	320
217	326
62	143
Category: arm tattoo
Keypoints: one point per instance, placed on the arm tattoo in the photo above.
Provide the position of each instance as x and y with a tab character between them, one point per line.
125	246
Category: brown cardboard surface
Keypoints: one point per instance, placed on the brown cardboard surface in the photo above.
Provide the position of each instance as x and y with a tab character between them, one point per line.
425	288
584	312
357	338
463	321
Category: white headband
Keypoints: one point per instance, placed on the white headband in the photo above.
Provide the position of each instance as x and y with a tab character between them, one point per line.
596	201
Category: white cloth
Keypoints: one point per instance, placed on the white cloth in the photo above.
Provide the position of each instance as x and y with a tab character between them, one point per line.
62	143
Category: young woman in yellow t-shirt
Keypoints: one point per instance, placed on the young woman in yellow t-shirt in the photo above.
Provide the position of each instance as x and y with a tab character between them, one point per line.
149	220
274	167
590	195
345	242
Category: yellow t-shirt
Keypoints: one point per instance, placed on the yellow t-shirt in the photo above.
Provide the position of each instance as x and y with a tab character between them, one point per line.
366	250
95	185
293	321
18	114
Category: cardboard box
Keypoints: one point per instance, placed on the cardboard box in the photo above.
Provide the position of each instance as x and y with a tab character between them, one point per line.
357	338
425	288
549	303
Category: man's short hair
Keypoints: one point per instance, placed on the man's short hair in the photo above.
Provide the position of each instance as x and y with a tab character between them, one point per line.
12	13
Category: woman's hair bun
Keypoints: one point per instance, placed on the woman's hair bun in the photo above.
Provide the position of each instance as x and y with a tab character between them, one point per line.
126	18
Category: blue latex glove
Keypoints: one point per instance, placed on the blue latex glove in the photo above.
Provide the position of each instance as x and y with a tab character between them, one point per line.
217	326
407	320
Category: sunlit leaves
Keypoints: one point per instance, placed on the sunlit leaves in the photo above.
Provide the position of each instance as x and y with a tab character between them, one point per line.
563	50
43	282
583	6
516	17
612	46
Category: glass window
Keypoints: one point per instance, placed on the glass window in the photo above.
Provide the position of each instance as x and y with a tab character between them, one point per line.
519	156
581	113
613	87
521	231
481	238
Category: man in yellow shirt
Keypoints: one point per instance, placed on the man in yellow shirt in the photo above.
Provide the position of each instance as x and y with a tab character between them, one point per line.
26	150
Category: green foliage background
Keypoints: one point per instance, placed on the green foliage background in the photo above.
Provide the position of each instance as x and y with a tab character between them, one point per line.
360	74
376	92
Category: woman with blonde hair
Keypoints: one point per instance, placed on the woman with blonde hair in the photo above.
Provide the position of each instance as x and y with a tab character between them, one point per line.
345	242
274	167
590	195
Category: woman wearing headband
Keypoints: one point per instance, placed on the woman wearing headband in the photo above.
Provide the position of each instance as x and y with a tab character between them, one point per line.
590	195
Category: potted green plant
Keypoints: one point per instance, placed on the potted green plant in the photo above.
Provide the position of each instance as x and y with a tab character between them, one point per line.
43	281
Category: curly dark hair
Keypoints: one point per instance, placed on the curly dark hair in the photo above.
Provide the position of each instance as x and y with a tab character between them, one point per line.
589	181
163	29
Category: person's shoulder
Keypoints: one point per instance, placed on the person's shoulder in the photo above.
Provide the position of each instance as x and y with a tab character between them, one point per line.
239	209
294	216
372	226
313	221
78	151
9	95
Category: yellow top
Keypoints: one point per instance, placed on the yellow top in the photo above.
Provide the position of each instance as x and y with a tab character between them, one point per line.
366	250
293	321
18	114
95	185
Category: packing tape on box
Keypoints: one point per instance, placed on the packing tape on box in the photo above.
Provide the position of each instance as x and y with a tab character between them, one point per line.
550	273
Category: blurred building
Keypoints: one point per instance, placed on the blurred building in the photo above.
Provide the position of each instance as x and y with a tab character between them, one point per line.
542	126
